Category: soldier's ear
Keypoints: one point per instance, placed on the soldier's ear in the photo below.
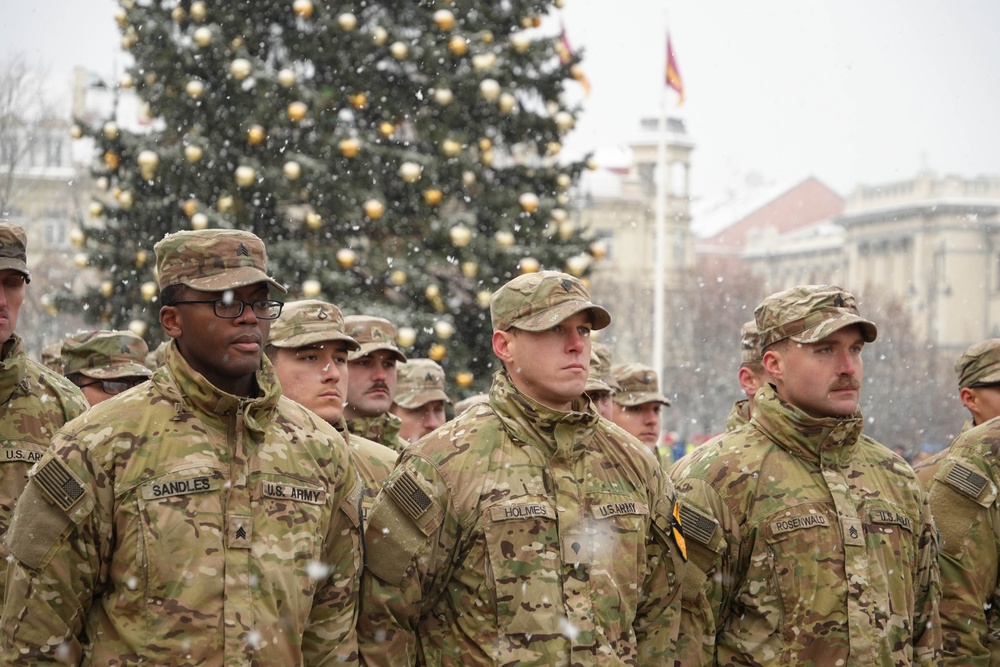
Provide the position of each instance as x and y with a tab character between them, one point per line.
773	364
502	345
171	321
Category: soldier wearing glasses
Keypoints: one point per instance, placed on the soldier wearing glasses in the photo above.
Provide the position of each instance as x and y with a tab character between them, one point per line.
104	363
200	518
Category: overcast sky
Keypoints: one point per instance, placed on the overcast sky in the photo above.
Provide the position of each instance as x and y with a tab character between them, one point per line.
849	91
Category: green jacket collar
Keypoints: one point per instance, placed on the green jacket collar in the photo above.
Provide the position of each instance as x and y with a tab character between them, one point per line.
806	437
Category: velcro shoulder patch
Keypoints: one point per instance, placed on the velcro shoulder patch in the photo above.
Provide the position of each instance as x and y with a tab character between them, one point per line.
62	488
699	526
965	479
408	496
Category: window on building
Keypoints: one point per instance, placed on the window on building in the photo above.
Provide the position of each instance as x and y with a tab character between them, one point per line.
53	151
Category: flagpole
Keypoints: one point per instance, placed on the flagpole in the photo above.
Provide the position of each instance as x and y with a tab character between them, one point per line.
659	242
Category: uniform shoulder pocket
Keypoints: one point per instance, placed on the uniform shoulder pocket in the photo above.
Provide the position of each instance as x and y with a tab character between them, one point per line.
401	525
959	497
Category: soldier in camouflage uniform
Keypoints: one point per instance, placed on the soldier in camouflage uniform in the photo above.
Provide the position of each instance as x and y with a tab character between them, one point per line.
420	398
637	407
372	379
752	375
601	384
978	371
34	401
815	543
527	531
963	481
200	518
471	401
104	363
309	350
51	357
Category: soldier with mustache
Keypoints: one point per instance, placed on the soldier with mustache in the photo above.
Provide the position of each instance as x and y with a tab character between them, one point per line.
813	543
371	384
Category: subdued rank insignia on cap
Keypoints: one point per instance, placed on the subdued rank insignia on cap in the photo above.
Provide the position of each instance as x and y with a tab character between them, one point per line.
58	483
647	378
242	250
676	527
566	285
966	480
697	526
408	495
377	334
838	301
429	377
123	349
321	314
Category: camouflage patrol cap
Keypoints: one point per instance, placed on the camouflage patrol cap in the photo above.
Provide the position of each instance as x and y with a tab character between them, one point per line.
599	376
51	357
808	314
979	365
105	354
212	260
639	385
372	333
14	249
539	301
418	382
307	322
750	344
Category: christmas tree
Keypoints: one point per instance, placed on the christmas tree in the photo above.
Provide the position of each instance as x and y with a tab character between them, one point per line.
399	159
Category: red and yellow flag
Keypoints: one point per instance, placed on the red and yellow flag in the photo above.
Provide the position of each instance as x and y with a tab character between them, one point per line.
565	52
673	73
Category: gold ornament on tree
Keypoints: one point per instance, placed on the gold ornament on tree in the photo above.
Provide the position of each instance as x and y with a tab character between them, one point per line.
77	237
80	260
292	170
347	21
149	290
406	336
110	130
399	50
443	329
193	153
245	176
199	221
483	298
349	147
482	61
286	78
504	239
203	36
458	46
374	208
489	89
380	36
444	20
297	111
311	288
469	269
107	288
240	68
148	162
138	327
141	257
464	379
410	172
461	236
195	88
198	11
303	8
520	42
443	96
386	129
528	202
256	135
437	351
528	265
314	220
507	103
397	278
433	196
112	160
347	258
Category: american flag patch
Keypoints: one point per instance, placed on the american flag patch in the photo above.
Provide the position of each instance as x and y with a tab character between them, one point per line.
409	496
58	483
966	480
697	526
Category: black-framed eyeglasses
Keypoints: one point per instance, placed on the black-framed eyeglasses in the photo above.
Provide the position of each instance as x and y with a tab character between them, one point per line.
230	309
115	386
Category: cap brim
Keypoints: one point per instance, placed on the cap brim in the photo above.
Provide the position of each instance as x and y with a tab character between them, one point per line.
116	371
413	400
313	337
827	327
550	317
16	265
365	349
631	398
238	277
596	385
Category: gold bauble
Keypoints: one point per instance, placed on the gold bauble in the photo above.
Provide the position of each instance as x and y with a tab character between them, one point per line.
77	238
599	249
486	37
397	278
236	43
148	290
432	291
560	215
520	42
126	200
489	89
469	269
297	111
141	257
81	260
444	20
464	379
195	88
311	288
380	36
461	236
190	206
199	221
374	209
256	135
224	204
433	197
577	265
504	239
528	202
240	68
399	50
486	157
346	258
138	327
468	179
112	160
130	39
443	96
95	209
562	199
410	172
592	164
528	265
148	162
314	220
193	153
303	8
406	336
444	329
349	147
126	81
203	36
553	148
437	351
198	11
347	21
286	78
559	4
107	288
49	305
386	129
75	131
483	298
245	176
121	17
102	183
110	130
292	170
459	46
483	61
507	103
359	101
565	121
564	181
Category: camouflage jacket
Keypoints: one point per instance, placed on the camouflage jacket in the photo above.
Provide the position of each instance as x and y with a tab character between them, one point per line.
383	429
963	497
815	544
34	403
739	415
928	468
178	524
373	462
516	534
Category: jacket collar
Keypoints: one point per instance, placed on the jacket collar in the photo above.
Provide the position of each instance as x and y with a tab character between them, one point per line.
806	437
